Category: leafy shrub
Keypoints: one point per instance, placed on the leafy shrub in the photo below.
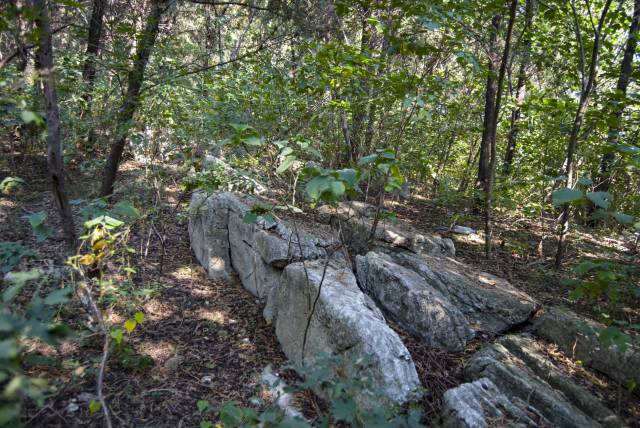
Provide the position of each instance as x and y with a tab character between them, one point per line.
337	380
11	254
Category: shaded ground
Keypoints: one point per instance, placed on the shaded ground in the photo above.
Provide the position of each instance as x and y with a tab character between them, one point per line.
206	340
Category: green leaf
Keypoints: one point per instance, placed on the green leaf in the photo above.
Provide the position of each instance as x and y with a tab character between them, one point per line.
130	325
585	181
565	196
203	405
622	218
317	185
139	317
38	226
206	424
117	335
18	279
348	175
104	220
252	140
125	209
367	159
250	218
28	116
94	406
58	296
286	164
600	199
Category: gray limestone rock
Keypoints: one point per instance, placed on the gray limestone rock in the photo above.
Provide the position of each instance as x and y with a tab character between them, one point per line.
413	303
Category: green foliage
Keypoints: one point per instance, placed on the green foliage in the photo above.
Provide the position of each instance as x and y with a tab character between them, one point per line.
338	391
34	320
10	185
12	253
38	225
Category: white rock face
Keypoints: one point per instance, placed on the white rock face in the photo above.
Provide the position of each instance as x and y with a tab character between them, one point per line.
518	367
480	404
413	303
268	260
344	320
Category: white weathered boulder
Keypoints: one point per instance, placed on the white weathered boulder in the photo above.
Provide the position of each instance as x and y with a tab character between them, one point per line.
518	367
480	404
489	303
413	303
355	220
577	337
344	321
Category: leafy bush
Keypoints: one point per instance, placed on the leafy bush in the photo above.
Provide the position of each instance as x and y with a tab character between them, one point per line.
36	321
11	254
337	381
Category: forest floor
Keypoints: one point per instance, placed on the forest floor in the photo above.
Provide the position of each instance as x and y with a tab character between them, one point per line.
206	340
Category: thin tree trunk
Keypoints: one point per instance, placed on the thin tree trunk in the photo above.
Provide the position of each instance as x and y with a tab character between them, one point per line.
603	179
93	46
132	97
489	105
520	93
488	205
585	96
54	149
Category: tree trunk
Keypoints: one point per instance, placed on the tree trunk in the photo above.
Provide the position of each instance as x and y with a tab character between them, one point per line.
488	203
54	150
520	93
603	179
132	96
489	105
585	96
93	46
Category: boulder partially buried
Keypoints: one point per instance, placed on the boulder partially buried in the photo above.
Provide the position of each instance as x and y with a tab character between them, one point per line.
577	337
413	303
489	303
517	366
344	321
355	221
480	404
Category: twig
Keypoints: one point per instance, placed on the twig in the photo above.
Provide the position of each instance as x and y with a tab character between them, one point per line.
87	300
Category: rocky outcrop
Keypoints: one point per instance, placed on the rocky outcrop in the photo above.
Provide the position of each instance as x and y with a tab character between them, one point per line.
480	404
518	367
578	338
355	219
268	258
489	303
344	321
413	303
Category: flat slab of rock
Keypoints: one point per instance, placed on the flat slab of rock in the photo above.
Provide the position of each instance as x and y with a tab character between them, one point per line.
413	303
577	337
224	243
489	303
344	321
355	220
480	404
518	367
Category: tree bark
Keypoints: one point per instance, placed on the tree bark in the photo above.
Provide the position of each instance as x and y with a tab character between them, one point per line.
489	105
488	205
603	178
530	6
54	149
132	96
93	46
585	96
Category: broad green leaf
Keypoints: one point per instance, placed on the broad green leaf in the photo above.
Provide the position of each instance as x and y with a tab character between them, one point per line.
125	209
348	175
250	218
94	406
585	181
622	218
206	424
28	116
565	196
286	164
367	159
317	185
117	335
58	296
252	140
130	325
600	199
203	405
139	317
18	279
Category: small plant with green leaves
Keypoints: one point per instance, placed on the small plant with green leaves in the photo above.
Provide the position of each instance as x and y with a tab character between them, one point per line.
12	253
36	319
335	380
10	185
